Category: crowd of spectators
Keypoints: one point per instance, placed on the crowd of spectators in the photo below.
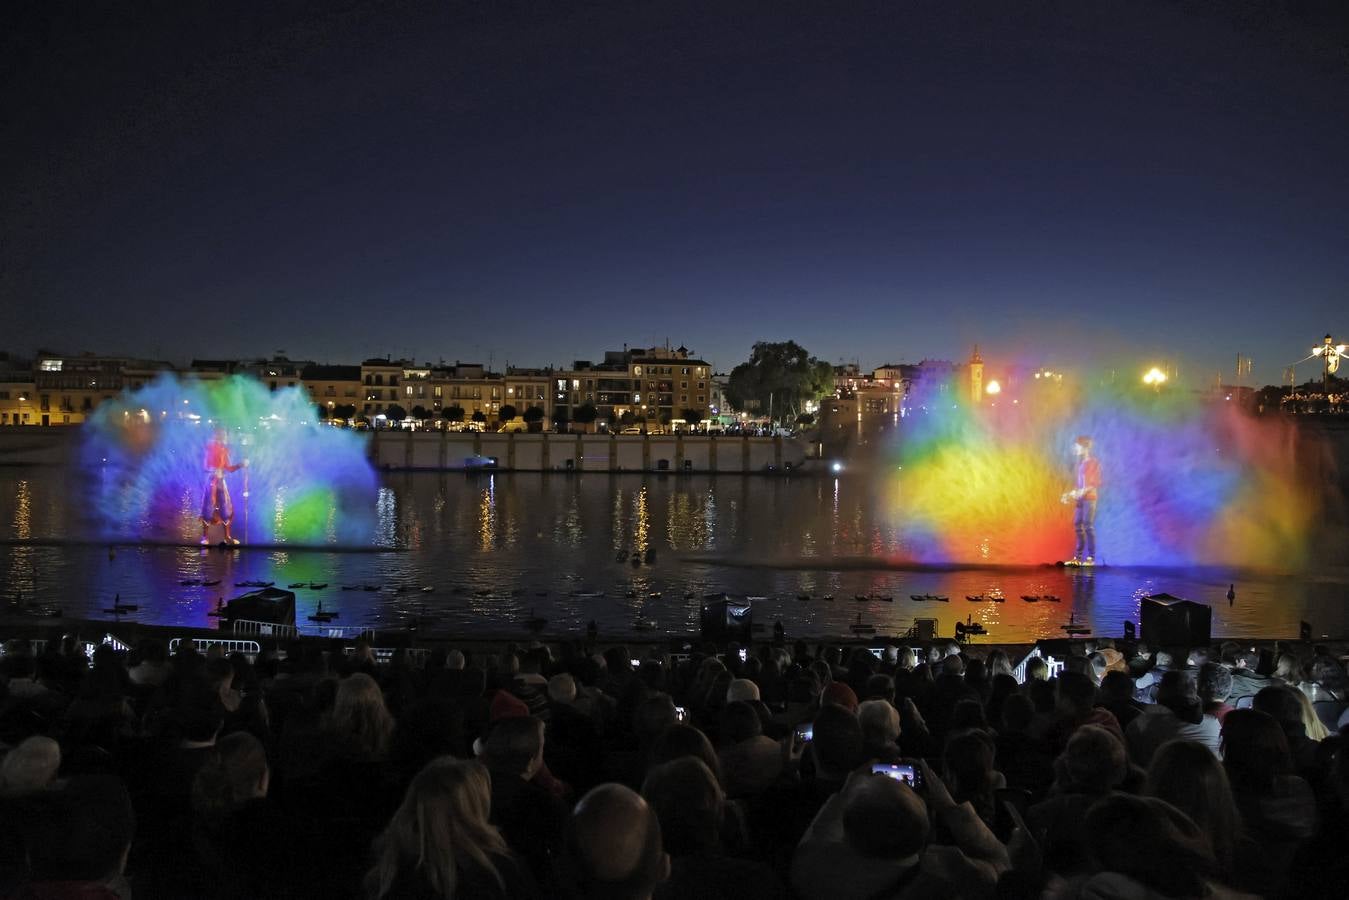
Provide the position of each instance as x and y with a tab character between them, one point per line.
777	771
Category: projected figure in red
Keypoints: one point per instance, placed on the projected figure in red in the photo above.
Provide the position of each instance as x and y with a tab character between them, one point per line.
1083	497
216	506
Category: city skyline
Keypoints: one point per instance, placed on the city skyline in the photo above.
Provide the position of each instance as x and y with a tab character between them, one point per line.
1136	182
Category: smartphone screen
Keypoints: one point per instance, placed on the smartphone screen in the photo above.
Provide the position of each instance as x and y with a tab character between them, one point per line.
744	654
900	772
636	663
806	731
681	714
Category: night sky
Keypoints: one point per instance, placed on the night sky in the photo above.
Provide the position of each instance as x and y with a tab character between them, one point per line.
1062	183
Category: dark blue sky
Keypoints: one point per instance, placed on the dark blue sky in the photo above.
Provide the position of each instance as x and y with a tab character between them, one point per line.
1058	182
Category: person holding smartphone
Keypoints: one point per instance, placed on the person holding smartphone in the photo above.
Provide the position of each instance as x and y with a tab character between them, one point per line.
871	839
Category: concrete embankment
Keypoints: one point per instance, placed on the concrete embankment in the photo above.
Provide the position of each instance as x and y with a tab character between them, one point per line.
517	451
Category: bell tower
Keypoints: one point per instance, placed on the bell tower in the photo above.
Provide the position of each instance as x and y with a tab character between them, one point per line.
976	365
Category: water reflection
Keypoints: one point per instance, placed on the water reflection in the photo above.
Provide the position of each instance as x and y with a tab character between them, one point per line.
498	546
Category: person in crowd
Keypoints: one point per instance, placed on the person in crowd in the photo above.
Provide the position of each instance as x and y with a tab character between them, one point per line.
871	839
693	814
614	849
750	761
880	731
1214	686
77	837
440	844
30	766
1145	847
153	668
1247	681
530	817
1074	707
1023	758
1177	713
242	839
1093	765
1117	696
1283	703
1277	807
359	726
1189	777
967	763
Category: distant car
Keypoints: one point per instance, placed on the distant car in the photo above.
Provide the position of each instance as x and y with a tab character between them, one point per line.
514	425
631	429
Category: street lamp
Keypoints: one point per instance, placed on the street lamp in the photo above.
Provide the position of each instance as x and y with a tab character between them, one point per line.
1154	378
993	388
1331	354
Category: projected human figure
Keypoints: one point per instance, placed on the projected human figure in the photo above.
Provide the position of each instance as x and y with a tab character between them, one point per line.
216	506
1083	497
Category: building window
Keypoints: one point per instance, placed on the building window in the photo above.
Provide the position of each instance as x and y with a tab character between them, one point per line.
436	391
702	399
409	390
637	370
684	385
50	365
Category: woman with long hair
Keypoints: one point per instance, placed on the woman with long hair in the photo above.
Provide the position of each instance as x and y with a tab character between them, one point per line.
360	717
1189	777
440	844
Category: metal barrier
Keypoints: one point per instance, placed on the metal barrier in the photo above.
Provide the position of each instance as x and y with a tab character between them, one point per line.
286	632
1019	671
263	629
229	646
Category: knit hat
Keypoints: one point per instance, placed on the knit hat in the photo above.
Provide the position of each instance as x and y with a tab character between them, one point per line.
840	694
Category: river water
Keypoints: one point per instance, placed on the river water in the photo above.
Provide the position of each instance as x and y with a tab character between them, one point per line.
499	549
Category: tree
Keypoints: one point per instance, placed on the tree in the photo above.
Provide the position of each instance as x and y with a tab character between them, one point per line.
585	414
778	379
805	420
344	411
452	414
560	419
628	417
506	413
533	414
419	412
395	413
479	416
692	416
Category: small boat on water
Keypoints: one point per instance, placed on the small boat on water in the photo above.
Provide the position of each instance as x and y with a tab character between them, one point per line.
212	583
587	595
319	586
370	588
936	598
120	608
874	598
321	615
1050	598
429	589
190	582
1031	598
296	585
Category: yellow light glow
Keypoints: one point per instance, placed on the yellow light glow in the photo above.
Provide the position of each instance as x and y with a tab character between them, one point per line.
1154	377
993	387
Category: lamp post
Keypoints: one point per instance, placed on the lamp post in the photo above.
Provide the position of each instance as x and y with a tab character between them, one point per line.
1330	353
1154	378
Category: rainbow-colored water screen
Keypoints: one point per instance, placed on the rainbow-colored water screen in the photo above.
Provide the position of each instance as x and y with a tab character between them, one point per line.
287	477
1185	480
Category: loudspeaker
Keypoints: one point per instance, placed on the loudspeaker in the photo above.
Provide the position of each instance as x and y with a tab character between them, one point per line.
1169	621
724	620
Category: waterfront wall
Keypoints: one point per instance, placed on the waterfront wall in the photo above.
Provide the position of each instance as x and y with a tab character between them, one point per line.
521	451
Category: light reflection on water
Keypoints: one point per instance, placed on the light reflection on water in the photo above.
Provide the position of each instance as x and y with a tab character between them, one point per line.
500	548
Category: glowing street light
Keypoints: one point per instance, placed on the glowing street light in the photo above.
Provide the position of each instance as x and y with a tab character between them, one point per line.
1154	378
993	388
1331	354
